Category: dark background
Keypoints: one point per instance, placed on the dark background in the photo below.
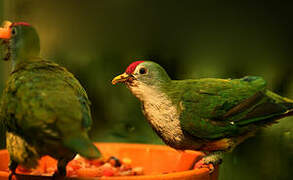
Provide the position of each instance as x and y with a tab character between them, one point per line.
97	40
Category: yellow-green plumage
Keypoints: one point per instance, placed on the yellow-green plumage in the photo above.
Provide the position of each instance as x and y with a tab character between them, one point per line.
46	106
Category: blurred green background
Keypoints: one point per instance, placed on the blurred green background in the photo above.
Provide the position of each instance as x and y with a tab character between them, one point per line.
96	40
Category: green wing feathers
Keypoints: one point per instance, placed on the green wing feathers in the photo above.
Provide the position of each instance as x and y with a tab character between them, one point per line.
216	108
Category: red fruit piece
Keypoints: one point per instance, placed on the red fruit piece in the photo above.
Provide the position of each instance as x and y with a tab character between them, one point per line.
108	171
95	162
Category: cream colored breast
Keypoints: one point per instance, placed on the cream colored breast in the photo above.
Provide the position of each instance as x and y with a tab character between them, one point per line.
160	112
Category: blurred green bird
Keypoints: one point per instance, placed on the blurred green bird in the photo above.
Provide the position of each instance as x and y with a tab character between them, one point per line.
211	115
44	108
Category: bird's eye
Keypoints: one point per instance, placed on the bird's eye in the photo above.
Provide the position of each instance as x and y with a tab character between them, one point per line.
142	70
13	31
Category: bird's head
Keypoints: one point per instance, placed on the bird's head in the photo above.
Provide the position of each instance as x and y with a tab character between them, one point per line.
20	41
143	74
146	72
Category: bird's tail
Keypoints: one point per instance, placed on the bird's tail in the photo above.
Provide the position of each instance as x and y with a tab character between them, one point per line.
290	109
83	146
268	109
283	101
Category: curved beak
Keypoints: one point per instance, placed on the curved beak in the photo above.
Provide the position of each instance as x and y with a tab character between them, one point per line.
5	31
121	78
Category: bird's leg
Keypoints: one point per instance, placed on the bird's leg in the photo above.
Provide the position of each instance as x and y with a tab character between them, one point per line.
12	167
61	168
210	160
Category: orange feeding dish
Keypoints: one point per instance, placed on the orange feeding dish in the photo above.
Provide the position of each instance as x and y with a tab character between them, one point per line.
157	162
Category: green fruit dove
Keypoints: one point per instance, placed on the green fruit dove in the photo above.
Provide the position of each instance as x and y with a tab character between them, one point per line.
210	115
44	108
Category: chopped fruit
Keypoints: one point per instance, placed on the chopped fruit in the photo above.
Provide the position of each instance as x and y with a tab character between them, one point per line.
126	163
108	170
80	167
89	172
137	171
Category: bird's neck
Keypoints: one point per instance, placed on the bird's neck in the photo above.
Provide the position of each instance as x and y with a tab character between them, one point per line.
24	50
145	92
19	56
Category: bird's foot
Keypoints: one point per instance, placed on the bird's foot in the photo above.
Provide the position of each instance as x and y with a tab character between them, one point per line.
61	168
210	161
11	175
12	167
202	164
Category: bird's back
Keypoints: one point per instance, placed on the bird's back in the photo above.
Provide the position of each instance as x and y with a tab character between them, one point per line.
47	106
38	93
